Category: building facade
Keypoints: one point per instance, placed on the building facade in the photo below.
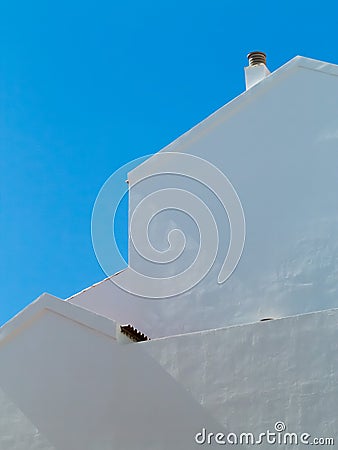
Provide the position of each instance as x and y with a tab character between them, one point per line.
176	352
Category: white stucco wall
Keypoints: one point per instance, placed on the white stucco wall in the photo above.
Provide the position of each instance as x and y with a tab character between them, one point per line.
63	368
82	390
277	143
16	431
251	376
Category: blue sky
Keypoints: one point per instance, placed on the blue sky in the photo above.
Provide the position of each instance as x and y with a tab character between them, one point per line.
88	86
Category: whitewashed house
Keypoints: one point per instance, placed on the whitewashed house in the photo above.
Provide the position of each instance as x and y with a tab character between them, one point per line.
81	374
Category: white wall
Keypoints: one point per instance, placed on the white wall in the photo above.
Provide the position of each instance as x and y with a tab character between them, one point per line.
277	143
253	375
84	391
16	431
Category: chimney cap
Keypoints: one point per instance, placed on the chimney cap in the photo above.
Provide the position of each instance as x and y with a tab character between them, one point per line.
256	58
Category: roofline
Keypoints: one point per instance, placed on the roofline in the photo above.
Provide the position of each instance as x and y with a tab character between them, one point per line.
234	105
67	310
96	284
257	323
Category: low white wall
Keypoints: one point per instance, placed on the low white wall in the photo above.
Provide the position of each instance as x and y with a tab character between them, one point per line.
251	376
62	366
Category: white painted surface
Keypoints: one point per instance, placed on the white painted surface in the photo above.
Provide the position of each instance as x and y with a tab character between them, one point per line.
255	74
84	391
16	431
253	375
277	143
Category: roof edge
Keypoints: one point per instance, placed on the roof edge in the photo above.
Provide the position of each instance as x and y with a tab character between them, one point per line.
47	302
258	323
232	107
96	284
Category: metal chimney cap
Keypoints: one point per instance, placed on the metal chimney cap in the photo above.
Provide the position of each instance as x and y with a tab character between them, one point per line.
256	58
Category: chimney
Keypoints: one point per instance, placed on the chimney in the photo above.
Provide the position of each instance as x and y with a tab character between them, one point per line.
257	70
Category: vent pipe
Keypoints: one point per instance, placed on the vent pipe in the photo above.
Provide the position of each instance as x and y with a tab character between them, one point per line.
257	70
256	58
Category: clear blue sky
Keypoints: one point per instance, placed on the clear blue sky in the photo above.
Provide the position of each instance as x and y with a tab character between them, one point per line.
88	86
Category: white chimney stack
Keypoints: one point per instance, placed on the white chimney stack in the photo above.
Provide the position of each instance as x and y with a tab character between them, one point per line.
257	70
